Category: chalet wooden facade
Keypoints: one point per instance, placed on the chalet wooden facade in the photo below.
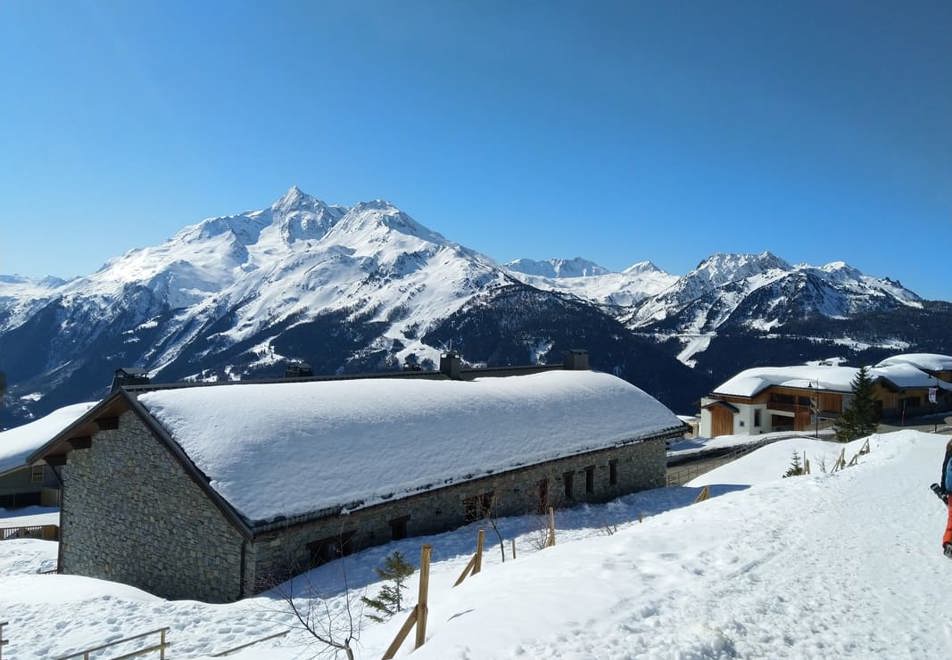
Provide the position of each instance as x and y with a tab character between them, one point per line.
798	398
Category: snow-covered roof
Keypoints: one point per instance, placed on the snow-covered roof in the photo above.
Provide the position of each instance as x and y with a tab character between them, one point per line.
290	449
18	443
751	382
927	361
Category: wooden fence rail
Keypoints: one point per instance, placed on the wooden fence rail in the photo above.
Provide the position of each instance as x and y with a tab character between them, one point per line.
222	654
160	647
44	532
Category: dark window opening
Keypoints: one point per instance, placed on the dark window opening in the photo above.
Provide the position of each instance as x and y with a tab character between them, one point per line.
613	472
477	507
543	495
329	549
398	528
757	417
590	479
567	481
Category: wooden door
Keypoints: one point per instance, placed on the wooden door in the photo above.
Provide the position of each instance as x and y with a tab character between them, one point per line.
722	421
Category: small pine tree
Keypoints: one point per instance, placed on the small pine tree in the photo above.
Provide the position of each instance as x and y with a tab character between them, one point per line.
389	601
796	467
859	419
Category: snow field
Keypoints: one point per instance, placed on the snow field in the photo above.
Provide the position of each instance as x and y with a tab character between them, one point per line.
842	565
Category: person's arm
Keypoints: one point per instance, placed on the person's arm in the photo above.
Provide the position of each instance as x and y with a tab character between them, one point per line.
945	471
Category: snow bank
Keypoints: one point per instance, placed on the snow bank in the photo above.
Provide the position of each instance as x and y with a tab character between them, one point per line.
287	449
31	516
18	443
770	462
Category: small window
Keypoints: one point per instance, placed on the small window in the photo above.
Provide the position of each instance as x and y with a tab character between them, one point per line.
757	417
543	487
567	481
613	472
398	528
478	507
329	549
590	479
38	474
742	423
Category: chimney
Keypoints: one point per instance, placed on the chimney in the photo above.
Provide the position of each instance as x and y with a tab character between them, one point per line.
129	376
450	365
576	360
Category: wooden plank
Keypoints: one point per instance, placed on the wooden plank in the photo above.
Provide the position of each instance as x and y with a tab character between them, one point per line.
221	654
703	495
513	548
465	573
480	539
422	607
401	635
551	540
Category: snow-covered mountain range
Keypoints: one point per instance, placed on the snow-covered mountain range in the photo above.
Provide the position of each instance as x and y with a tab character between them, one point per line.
367	288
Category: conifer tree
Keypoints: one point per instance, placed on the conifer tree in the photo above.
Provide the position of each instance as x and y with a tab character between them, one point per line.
389	601
796	467
859	419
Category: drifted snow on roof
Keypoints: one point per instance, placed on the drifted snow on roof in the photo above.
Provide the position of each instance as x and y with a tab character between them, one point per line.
18	443
750	382
289	449
927	361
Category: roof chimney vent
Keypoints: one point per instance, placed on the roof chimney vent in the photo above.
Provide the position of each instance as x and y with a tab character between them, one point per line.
576	360
450	365
126	376
298	369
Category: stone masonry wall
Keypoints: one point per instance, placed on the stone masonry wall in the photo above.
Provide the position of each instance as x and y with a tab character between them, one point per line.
131	514
639	466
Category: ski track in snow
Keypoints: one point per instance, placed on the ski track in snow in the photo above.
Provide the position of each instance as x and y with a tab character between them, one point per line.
844	565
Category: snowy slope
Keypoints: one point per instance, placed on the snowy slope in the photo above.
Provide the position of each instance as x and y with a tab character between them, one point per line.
635	283
552	268
845	565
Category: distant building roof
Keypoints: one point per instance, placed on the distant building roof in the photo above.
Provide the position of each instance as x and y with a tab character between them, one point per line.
291	449
18	443
751	382
926	361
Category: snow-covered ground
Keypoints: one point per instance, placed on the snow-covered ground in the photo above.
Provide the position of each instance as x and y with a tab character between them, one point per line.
31	516
841	565
700	444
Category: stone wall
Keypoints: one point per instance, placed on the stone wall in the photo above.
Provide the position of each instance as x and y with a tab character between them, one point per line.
288	550
131	514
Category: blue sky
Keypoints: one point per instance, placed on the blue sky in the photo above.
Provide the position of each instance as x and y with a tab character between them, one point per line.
615	131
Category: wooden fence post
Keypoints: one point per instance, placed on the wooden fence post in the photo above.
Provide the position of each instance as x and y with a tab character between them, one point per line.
551	540
513	548
478	564
422	607
419	612
3	642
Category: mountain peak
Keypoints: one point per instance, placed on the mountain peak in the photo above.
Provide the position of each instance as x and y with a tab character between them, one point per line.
557	268
645	266
295	198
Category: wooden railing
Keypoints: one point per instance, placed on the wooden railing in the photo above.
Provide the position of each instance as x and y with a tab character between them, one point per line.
44	532
235	649
160	647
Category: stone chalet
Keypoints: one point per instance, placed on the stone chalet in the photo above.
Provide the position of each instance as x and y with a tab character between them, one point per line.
769	399
216	491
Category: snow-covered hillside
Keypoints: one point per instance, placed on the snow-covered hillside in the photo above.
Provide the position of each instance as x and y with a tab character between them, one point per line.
829	565
632	285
